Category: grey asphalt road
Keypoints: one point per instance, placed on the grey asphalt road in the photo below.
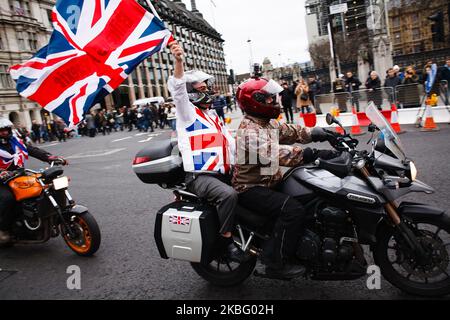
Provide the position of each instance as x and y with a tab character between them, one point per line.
128	266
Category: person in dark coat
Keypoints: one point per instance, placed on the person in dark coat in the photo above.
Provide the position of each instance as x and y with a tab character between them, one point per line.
444	78
392	81
373	84
315	88
352	85
286	100
340	93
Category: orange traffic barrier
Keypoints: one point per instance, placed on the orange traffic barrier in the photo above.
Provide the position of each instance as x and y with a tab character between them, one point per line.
356	128
394	119
429	124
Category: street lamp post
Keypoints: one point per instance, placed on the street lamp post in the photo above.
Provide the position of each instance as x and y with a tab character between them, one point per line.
249	41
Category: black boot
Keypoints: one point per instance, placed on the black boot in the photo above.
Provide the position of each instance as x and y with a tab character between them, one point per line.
231	251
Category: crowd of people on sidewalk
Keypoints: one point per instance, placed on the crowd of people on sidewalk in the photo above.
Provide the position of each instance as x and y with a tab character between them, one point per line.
144	118
400	85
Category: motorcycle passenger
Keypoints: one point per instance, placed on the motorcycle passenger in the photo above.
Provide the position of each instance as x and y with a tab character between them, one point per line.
262	143
206	146
13	155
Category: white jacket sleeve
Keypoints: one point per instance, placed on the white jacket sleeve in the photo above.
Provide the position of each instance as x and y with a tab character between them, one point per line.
185	109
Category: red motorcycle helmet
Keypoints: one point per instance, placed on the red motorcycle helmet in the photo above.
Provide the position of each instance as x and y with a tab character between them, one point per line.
258	97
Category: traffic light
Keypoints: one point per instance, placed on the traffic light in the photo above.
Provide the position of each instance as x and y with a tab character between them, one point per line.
437	28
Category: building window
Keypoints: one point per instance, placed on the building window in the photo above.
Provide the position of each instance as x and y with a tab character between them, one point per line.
32	41
396	22
20	7
416	33
5	79
414	18
2	46
20	40
397	37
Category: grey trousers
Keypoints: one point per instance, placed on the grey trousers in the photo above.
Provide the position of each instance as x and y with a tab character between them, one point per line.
219	193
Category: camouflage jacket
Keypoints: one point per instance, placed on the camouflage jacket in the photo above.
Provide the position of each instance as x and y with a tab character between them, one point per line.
262	146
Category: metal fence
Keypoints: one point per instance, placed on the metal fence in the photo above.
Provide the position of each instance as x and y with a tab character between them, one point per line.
404	96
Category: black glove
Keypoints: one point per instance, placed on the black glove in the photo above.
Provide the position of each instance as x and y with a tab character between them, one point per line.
327	154
318	134
5	176
321	135
311	155
57	160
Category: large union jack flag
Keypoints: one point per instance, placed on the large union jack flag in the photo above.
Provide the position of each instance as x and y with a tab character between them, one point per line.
95	45
209	145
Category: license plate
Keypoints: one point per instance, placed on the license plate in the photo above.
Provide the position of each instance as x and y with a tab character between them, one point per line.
61	183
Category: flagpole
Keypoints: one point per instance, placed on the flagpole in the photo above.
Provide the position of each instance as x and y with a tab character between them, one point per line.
153	9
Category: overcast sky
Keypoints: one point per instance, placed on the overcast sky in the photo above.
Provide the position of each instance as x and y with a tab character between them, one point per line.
274	26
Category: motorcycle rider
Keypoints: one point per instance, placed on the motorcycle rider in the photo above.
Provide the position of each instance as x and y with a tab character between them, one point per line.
206	146
265	141
13	155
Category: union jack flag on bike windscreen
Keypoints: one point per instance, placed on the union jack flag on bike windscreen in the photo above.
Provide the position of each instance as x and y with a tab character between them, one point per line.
95	45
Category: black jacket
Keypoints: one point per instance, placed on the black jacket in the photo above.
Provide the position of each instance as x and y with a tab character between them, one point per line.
33	151
392	82
445	74
286	98
352	84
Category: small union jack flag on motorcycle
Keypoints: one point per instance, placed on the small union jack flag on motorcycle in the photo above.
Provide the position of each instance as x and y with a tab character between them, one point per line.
95	45
178	220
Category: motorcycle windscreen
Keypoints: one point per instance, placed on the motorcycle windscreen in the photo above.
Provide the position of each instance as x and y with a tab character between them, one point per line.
391	139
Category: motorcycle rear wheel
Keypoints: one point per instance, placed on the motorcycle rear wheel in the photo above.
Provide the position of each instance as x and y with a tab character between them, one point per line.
409	275
88	238
224	273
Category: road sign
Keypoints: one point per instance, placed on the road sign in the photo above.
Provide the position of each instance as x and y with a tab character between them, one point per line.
339	8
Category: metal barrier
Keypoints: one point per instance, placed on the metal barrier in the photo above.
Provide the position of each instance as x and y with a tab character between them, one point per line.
410	95
445	92
345	101
382	97
403	96
324	102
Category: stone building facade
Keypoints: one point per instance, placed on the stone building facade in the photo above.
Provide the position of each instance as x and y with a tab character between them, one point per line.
25	27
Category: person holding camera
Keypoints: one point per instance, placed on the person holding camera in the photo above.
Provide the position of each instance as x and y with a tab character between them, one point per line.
302	93
410	97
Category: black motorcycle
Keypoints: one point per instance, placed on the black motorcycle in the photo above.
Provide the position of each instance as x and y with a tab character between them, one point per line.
350	202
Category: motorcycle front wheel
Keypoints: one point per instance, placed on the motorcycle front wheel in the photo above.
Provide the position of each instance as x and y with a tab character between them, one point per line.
400	266
225	273
87	237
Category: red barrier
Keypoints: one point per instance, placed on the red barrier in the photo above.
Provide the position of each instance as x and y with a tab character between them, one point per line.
364	121
310	119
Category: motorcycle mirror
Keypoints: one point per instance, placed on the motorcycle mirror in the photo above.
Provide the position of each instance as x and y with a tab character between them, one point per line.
330	119
372	127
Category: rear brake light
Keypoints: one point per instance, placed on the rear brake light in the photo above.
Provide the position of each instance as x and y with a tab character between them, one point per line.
139	160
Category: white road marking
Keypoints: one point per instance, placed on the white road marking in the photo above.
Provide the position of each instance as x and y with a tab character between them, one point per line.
51	145
94	154
154	135
140	134
146	140
117	140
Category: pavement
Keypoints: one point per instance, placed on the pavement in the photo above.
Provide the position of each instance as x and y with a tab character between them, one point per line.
128	265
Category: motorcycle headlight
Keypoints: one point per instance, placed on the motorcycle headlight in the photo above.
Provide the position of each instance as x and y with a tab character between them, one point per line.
413	171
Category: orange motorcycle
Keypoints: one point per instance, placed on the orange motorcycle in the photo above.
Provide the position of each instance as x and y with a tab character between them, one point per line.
45	209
